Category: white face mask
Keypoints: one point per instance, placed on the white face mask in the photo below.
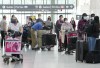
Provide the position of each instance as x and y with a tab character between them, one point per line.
66	21
85	18
92	18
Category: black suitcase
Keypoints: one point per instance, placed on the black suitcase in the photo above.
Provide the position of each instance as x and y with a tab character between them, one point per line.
93	57
81	50
48	39
72	44
97	47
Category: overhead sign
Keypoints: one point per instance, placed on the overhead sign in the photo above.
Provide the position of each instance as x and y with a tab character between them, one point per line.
36	7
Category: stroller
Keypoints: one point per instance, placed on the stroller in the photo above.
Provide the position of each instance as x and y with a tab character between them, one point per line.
26	37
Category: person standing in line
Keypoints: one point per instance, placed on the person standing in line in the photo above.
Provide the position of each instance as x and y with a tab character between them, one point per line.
58	28
91	18
16	27
39	19
93	33
12	17
66	27
3	26
49	24
73	23
58	25
82	26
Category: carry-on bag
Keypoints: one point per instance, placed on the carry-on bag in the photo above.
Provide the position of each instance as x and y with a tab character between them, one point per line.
48	39
93	57
81	49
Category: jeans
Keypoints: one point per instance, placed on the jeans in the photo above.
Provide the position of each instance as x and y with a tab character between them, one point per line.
91	43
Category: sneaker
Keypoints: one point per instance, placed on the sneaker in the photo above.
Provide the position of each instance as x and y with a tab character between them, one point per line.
33	48
37	48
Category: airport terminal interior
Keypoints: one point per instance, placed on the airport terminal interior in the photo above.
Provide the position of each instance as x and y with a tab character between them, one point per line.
24	11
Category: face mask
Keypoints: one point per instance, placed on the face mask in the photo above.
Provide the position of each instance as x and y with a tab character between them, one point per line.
66	21
92	18
85	18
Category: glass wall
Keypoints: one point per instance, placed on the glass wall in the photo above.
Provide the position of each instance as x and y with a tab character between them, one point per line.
21	15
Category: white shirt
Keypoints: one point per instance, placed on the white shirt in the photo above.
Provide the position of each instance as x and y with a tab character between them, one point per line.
15	27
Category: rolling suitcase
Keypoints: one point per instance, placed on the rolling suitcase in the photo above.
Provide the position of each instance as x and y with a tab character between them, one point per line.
97	47
93	57
49	39
81	50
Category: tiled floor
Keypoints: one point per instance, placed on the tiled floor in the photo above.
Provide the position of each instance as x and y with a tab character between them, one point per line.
47	59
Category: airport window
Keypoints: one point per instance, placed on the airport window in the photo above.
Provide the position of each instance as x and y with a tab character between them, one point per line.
17	1
28	1
61	1
12	2
39	1
6	1
1	2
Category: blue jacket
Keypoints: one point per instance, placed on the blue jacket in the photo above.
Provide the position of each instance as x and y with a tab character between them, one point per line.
37	26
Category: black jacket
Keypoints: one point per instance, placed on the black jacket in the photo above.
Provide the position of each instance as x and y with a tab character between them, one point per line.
93	30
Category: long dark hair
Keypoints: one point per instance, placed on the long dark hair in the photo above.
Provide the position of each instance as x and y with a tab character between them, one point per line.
96	19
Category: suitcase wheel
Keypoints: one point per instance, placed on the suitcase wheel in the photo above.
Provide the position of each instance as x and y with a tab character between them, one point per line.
49	49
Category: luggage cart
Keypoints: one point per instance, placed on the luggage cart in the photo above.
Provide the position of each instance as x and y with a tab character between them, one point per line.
71	41
12	46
